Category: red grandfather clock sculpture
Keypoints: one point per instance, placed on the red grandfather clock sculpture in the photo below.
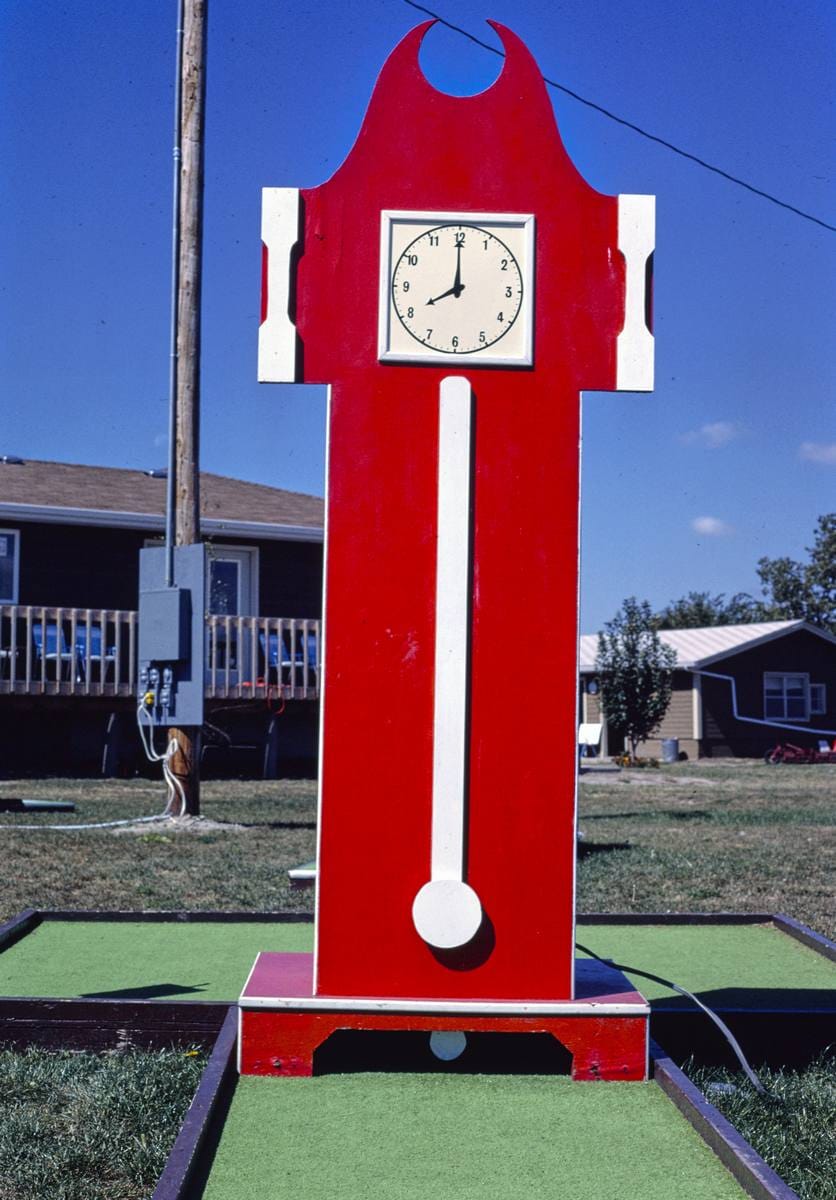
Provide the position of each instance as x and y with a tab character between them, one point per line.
457	284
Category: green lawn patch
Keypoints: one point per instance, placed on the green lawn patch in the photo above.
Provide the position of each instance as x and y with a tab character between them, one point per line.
797	1136
89	1126
476	1137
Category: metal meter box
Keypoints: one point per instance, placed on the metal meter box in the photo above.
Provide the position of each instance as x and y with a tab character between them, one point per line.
172	636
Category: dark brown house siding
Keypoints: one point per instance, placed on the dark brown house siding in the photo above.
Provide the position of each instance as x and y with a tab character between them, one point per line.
77	566
796	652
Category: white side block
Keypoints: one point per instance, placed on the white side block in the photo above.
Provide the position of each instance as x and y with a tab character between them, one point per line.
636	241
277	334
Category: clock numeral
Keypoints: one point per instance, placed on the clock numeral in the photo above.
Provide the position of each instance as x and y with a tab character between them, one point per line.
406	285
412	259
482	337
459	239
500	316
429	333
485	243
454	342
410	312
433	239
508	293
503	266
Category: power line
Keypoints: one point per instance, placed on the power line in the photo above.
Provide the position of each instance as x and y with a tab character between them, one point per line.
652	137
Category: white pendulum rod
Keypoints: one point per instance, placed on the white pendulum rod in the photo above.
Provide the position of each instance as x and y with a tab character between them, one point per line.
446	911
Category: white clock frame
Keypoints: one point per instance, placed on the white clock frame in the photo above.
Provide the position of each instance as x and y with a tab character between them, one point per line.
427	354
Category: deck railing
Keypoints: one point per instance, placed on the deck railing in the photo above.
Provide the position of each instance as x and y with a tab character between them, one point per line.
54	651
262	657
48	651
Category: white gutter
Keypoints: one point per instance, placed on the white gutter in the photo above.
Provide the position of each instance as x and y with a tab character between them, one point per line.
107	518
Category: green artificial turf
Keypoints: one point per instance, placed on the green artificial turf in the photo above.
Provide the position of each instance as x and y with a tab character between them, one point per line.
195	960
472	1137
210	961
739	964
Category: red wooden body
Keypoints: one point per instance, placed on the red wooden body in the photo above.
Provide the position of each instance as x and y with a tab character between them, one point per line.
283	1040
283	1043
496	152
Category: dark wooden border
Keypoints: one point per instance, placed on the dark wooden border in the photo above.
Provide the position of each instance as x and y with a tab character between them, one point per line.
18	927
215	1087
172	915
723	918
97	1025
802	933
756	1178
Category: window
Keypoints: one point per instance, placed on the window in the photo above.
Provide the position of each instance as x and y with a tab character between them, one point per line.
818	699
232	580
786	697
9	565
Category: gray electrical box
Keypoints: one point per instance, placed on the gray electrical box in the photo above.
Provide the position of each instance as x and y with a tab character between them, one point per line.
172	637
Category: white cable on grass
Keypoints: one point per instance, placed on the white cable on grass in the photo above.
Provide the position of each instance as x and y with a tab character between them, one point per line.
95	824
173	785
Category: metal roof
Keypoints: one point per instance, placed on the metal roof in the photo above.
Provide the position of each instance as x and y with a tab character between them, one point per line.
699	647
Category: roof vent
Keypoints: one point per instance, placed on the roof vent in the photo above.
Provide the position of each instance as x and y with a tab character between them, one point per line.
12	460
157	472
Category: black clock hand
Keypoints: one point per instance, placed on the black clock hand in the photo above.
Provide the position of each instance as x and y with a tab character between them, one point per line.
458	286
453	291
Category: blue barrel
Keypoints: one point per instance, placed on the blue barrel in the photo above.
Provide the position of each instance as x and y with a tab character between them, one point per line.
670	750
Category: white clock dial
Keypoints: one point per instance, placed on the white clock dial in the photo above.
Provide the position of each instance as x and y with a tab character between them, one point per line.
456	286
457	289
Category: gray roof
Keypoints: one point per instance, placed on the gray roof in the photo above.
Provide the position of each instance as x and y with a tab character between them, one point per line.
700	647
78	494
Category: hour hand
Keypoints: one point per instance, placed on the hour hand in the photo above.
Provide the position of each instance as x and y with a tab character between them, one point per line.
455	290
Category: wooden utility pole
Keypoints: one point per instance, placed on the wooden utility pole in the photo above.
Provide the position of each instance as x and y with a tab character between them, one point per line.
186	762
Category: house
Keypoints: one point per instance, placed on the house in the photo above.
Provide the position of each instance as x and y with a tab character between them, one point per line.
70	537
736	689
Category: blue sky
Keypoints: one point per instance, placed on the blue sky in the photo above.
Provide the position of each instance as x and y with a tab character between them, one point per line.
732	457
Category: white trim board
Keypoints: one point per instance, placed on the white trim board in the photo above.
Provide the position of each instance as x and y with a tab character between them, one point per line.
475	1008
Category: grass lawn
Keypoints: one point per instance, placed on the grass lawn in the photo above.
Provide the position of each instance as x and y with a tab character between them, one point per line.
733	836
796	1135
90	1126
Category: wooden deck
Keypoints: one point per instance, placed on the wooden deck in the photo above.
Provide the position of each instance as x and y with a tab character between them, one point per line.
92	652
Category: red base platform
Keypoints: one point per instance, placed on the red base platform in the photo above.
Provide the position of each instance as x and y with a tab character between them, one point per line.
282	1023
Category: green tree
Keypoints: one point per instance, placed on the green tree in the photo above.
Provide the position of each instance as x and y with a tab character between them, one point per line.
635	670
805	591
699	609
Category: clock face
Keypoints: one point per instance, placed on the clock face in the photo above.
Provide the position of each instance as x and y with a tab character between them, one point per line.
456	286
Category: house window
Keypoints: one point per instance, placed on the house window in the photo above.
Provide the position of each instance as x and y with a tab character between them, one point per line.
232	580
818	699
9	565
786	697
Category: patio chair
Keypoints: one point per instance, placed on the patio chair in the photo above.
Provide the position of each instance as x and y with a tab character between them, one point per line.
53	656
95	666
